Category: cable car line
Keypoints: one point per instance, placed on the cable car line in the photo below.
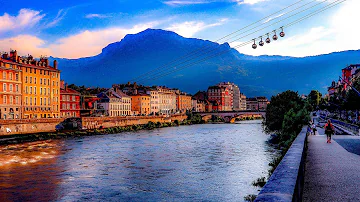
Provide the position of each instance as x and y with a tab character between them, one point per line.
267	40
218	40
337	2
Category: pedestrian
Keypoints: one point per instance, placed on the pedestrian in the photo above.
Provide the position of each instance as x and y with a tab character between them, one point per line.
329	130
313	128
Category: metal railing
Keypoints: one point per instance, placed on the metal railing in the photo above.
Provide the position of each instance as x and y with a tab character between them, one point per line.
350	127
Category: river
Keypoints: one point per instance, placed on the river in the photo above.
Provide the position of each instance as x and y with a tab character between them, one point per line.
209	162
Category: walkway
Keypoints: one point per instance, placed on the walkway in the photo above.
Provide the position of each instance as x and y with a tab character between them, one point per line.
332	170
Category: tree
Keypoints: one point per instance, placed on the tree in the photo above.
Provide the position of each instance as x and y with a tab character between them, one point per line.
314	98
279	105
352	97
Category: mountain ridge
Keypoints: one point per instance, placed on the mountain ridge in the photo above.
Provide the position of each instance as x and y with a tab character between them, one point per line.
265	75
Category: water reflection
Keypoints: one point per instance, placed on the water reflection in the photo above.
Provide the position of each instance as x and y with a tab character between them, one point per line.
26	171
190	163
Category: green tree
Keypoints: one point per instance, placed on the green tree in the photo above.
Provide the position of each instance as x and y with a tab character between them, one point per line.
279	105
314	98
352	97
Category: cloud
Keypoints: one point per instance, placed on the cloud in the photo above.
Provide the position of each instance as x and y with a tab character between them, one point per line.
190	28
60	15
272	18
89	43
25	44
26	18
95	15
336	33
185	2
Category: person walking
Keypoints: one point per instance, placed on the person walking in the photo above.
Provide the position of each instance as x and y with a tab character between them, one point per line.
329	130
313	127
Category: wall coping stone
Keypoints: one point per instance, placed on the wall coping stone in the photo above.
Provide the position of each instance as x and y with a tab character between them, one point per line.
286	183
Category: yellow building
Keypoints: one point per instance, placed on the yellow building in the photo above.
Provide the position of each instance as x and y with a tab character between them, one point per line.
41	88
183	102
140	104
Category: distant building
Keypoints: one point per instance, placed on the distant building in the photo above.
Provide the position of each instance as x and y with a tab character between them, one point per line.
222	97
242	102
262	103
140	104
252	104
167	100
198	105
183	102
69	101
234	93
113	103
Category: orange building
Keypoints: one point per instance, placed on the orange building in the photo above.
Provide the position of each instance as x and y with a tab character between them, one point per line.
10	88
38	84
140	104
183	102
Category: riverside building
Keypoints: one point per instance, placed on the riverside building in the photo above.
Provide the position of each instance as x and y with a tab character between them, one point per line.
31	88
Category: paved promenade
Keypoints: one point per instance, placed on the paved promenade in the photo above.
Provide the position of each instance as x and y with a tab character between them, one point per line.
332	170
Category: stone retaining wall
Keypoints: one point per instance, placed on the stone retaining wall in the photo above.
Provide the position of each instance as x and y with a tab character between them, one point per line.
26	126
287	181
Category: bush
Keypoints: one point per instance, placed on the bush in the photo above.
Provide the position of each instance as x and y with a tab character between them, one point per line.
250	198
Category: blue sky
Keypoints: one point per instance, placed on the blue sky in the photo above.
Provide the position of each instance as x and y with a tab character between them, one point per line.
74	29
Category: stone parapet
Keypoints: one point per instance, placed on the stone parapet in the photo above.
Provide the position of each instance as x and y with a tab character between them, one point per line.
287	182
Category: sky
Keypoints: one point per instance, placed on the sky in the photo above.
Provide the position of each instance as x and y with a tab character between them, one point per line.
75	29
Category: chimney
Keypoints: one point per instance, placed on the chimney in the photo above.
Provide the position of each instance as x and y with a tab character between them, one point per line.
55	64
62	84
13	55
5	55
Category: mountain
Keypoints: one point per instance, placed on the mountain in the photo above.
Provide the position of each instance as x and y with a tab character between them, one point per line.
137	54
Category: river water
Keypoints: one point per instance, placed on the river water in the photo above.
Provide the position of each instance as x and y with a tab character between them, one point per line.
209	162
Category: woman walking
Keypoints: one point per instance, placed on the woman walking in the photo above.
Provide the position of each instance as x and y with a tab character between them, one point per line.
329	130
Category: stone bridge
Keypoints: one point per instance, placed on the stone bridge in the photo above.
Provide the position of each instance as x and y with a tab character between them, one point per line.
230	116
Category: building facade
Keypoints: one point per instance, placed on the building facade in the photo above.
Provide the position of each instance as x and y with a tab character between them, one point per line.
10	89
154	100
262	103
69	102
114	103
252	104
140	104
36	87
222	97
242	101
183	102
167	100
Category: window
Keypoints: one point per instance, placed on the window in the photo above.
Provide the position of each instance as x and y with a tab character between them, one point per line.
17	100
26	89
10	76
53	83
40	71
5	99
11	88
30	70
34	71
44	91
30	79
48	82
44	101
40	101
26	100
40	81
30	100
17	77
40	91
68	106
49	100
35	90
4	87
34	100
74	106
30	90
4	75
34	80
26	79
63	106
48	91
73	98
